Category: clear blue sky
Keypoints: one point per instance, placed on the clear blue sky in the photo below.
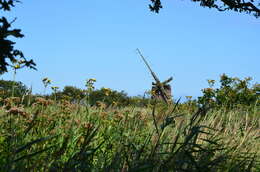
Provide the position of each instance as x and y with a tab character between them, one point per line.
74	40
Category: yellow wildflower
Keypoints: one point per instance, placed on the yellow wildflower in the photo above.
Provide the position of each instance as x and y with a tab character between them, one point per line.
17	66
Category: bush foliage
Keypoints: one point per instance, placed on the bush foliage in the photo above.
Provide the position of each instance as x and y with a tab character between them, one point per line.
231	93
12	88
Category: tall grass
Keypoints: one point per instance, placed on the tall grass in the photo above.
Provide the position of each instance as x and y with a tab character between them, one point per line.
50	136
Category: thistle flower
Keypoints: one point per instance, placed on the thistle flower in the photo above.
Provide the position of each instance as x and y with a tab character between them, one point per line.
211	82
207	90
54	88
188	97
17	66
92	79
46	81
107	91
90	84
114	103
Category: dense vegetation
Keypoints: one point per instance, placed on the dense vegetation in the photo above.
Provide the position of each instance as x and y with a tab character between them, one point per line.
231	93
67	131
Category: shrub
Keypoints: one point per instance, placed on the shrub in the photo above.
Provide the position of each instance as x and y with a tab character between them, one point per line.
232	92
12	88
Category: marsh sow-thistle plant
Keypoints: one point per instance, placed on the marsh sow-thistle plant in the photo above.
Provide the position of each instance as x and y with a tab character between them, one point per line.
55	89
90	84
46	81
107	91
90	87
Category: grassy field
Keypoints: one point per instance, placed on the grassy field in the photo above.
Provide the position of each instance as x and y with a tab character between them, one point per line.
50	136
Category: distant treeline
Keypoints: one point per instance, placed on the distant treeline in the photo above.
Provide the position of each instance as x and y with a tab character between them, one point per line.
73	94
232	92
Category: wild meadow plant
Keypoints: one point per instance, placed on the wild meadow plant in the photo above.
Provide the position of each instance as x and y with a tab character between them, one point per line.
90	87
55	90
46	81
65	136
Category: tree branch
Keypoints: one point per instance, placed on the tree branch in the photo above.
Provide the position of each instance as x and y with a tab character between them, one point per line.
251	6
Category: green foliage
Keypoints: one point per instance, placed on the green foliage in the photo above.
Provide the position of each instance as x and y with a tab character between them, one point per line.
105	95
109	97
116	98
48	138
66	136
73	92
232	92
70	93
140	101
250	6
8	55
12	88
6	5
